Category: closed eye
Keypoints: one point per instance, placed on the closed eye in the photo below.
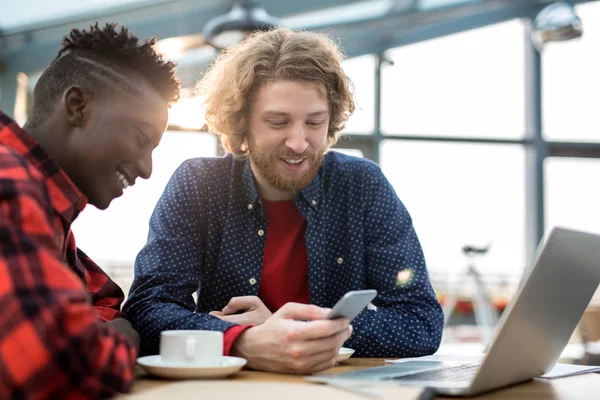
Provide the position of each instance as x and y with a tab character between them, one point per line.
143	139
277	123
315	124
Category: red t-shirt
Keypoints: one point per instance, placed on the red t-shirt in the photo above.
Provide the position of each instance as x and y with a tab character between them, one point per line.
285	263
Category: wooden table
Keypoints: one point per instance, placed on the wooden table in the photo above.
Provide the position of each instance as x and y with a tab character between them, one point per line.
585	386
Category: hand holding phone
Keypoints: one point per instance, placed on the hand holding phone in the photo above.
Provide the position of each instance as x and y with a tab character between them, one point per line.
352	304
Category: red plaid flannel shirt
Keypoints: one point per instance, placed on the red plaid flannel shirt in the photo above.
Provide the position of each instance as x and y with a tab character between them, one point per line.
54	300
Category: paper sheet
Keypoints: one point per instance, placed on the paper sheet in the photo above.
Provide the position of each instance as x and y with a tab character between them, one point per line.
562	370
559	370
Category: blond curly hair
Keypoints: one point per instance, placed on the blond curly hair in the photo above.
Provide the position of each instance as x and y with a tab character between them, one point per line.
279	54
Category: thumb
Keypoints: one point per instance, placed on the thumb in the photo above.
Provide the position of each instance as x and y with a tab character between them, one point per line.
216	313
240	303
307	312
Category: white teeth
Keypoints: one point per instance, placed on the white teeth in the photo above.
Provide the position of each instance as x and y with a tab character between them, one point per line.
294	162
124	182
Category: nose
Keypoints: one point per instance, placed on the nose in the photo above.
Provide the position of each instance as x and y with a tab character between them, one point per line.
296	141
145	166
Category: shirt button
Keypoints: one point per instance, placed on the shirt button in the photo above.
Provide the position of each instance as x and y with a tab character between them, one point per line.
340	260
252	281
249	206
314	202
261	232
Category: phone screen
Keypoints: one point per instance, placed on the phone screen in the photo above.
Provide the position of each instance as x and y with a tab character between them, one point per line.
351	304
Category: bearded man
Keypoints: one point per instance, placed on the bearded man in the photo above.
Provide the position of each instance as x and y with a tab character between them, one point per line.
282	225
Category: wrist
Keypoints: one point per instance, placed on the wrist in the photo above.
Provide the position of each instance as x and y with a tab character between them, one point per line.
240	345
247	347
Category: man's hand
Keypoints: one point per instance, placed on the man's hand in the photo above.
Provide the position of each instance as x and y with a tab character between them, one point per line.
123	326
255	311
296	339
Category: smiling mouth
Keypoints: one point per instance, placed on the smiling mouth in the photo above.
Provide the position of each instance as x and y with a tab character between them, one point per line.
123	179
293	161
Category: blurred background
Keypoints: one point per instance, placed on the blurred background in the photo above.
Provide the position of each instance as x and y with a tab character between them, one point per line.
482	113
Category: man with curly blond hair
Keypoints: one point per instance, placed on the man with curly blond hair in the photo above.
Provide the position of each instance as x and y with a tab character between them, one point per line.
281	224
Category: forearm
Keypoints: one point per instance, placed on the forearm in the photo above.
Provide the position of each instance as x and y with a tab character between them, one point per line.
111	365
105	294
52	343
74	356
404	331
150	315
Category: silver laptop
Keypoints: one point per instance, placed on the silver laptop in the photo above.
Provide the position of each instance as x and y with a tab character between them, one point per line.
533	330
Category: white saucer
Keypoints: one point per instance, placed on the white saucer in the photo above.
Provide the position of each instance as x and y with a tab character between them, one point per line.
222	368
344	354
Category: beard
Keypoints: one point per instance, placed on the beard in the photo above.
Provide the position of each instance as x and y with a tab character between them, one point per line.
267	165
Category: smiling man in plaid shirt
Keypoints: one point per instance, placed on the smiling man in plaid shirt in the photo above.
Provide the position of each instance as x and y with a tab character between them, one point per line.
99	110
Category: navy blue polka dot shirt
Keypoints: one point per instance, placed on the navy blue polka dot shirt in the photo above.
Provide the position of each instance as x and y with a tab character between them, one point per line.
208	232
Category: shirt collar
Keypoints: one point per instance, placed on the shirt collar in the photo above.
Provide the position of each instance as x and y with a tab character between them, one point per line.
66	199
250	189
312	194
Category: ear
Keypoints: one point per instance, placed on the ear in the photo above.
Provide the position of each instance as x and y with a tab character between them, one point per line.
76	102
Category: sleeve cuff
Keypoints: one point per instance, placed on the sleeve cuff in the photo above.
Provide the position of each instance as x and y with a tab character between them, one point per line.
230	336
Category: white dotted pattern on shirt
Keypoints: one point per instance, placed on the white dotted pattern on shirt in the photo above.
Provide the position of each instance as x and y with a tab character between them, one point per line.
207	227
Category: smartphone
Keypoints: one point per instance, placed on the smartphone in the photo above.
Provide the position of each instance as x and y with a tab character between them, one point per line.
352	304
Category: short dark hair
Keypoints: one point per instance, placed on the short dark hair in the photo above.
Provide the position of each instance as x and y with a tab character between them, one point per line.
91	58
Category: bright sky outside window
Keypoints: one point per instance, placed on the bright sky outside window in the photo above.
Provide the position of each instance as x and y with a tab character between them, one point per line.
470	84
571	84
461	194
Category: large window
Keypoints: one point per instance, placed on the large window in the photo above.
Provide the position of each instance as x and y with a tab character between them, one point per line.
469	84
361	70
571	84
462	194
573	193
464	86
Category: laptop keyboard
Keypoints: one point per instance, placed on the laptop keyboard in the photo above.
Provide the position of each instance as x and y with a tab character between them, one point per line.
459	372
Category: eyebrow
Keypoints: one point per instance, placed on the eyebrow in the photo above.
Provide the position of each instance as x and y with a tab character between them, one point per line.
284	114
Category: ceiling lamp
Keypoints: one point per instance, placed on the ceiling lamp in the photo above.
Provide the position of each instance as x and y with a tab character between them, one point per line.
556	22
229	29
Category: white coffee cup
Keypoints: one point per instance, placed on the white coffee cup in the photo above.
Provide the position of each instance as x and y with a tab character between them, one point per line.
191	347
